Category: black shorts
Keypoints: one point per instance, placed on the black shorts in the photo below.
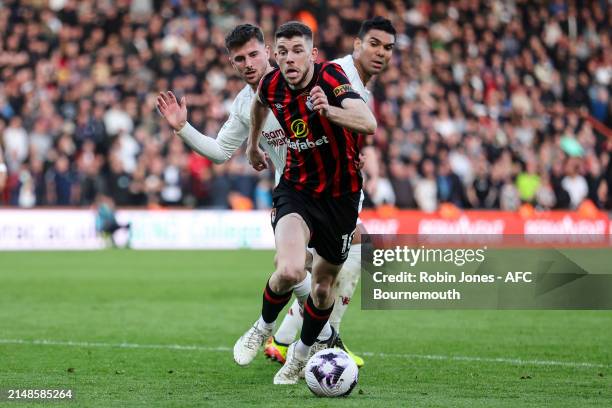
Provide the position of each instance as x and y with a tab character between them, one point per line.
331	220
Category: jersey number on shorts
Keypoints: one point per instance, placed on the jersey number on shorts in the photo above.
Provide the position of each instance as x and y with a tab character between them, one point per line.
346	241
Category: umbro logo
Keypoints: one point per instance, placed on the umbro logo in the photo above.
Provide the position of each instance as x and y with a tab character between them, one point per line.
278	106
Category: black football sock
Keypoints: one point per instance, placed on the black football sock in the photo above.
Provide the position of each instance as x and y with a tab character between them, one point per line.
273	303
314	320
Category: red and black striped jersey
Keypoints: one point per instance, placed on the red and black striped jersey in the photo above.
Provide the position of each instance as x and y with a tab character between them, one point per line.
321	156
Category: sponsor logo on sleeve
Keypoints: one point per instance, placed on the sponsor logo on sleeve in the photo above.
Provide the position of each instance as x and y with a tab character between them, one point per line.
342	89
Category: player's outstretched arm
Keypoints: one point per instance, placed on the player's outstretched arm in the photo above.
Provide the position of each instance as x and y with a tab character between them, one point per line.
219	150
354	114
256	156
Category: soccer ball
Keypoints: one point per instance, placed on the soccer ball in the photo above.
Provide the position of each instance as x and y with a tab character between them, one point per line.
331	373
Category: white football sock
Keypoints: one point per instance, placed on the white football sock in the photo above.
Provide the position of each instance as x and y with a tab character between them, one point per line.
262	325
326	333
292	322
302	289
301	350
347	281
290	325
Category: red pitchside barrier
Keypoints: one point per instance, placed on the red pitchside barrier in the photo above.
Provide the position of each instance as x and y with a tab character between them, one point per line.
393	221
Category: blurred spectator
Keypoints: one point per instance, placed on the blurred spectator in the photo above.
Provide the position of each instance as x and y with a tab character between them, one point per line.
383	193
574	183
509	199
598	189
117	120
40	139
562	197
219	187
15	143
91	181
26	192
401	176
528	181
449	186
119	182
481	193
263	194
172	191
60	183
545	196
425	190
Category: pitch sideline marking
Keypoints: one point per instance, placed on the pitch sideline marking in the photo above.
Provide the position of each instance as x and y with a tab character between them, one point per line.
114	345
514	361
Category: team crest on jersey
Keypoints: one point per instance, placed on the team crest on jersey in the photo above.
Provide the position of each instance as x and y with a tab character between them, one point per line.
309	103
299	128
342	89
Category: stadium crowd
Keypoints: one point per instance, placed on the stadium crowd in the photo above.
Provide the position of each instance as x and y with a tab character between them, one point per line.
486	104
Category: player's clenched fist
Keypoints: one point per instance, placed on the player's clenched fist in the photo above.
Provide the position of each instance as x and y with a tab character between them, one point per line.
257	158
319	100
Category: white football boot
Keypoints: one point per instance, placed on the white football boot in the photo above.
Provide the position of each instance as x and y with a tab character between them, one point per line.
248	345
290	371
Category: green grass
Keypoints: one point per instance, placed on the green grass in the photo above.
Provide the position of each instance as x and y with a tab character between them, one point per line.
208	299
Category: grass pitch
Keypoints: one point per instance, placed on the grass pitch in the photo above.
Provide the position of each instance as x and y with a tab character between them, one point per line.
155	329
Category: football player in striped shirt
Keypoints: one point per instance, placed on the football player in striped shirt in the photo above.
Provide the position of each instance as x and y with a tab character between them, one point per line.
317	199
372	51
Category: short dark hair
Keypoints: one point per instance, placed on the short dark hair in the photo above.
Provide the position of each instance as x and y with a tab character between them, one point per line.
242	34
293	29
376	23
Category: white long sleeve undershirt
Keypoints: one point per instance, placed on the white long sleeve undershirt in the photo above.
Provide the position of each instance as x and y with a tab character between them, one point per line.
204	145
